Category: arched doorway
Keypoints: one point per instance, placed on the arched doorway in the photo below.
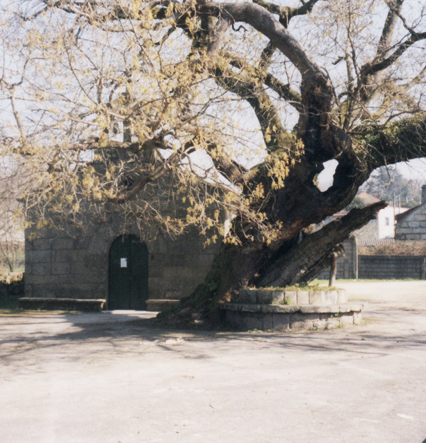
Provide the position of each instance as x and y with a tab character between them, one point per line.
128	273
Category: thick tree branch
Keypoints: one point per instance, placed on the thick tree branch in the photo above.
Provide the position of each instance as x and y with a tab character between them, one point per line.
128	194
389	27
376	67
145	178
286	13
275	135
317	95
218	33
295	265
264	22
284	91
400	141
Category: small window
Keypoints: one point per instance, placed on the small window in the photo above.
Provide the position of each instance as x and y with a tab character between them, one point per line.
387	221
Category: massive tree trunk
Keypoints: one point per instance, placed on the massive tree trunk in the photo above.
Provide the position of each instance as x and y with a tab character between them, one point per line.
295	261
296	257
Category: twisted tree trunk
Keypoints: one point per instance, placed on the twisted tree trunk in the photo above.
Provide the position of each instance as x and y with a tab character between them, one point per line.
235	267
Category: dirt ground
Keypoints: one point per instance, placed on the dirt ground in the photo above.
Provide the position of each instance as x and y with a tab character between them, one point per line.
109	378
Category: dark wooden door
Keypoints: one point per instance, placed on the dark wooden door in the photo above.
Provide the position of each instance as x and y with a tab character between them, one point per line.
128	273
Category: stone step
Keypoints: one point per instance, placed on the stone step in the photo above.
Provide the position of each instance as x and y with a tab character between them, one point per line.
285	309
61	304
160	304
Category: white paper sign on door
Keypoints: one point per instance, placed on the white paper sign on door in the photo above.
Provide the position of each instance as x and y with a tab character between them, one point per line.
123	262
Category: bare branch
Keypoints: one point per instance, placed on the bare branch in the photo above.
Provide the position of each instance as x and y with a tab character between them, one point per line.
382	61
376	67
389	27
16	114
284	91
266	56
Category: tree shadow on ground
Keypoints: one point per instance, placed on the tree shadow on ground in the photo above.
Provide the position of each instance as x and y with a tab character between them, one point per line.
121	332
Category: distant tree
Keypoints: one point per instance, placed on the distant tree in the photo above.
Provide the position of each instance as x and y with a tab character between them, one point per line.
11	218
387	183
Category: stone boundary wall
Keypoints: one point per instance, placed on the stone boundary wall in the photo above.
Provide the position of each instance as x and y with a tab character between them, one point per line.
391	267
381	267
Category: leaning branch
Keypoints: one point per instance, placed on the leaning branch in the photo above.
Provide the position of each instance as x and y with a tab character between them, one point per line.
284	17
297	264
389	28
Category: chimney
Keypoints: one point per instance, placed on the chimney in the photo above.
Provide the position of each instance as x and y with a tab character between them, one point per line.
423	194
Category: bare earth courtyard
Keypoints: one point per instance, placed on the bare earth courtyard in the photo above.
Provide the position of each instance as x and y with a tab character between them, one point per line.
109	378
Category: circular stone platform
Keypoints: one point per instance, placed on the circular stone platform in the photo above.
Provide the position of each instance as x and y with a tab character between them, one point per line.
290	310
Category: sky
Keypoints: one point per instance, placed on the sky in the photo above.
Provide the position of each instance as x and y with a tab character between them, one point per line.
413	170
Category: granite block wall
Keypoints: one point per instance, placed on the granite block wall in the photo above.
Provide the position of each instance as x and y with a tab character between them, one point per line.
74	264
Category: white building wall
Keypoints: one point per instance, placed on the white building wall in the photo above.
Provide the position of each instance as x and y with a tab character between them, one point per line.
386	221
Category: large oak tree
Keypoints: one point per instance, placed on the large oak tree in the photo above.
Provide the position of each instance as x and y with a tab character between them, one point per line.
238	104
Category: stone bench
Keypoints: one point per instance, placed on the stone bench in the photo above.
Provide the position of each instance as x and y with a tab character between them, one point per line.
62	304
292	297
290	310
